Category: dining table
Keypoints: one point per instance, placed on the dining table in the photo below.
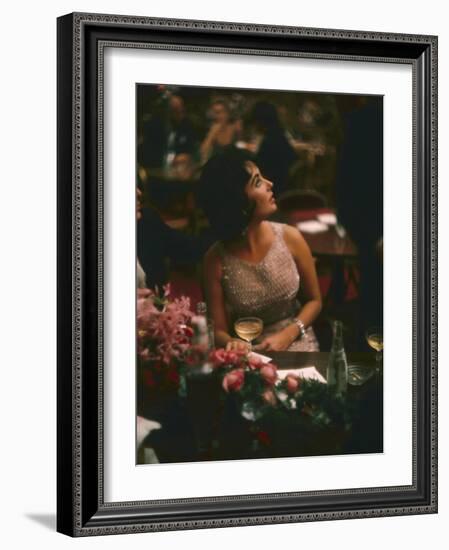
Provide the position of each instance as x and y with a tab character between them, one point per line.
205	426
333	249
332	241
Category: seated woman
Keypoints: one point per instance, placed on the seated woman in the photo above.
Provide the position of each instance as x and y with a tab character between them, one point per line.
223	131
256	267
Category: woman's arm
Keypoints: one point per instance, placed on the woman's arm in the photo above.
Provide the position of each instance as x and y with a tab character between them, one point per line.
215	301
237	129
208	142
312	307
306	268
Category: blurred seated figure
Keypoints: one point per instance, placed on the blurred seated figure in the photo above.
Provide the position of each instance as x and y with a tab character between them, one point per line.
305	142
158	245
315	137
224	130
256	267
295	201
167	135
359	188
275	155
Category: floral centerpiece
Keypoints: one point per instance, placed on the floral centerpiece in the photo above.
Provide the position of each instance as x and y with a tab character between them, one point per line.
250	378
273	409
279	409
164	341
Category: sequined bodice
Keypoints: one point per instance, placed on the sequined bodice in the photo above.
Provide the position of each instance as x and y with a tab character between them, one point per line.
266	289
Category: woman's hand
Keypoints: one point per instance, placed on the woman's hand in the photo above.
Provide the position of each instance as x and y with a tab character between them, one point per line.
209	140
215	129
237	345
280	341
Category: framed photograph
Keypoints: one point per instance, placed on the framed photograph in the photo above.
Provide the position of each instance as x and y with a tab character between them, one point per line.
247	274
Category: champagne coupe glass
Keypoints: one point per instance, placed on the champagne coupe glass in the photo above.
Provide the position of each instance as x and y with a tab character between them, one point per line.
375	340
248	329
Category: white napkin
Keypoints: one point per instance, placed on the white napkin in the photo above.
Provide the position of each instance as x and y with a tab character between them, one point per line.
144	427
263	358
308	373
312	226
328	218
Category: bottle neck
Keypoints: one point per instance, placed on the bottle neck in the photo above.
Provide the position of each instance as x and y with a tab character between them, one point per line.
337	340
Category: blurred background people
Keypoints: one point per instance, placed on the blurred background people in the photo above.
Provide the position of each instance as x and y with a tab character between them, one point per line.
275	155
314	135
159	246
225	129
359	196
321	149
168	133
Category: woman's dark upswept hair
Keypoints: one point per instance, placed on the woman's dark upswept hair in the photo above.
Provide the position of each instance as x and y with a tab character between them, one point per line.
221	193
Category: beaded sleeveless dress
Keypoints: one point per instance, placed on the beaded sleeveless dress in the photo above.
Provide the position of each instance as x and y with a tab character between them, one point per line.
267	289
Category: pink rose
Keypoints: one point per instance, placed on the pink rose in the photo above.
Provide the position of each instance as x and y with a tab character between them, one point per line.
255	362
218	357
269	374
232	358
292	383
233	380
269	397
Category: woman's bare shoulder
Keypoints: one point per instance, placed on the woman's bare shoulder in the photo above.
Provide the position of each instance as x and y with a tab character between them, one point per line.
212	259
293	238
289	232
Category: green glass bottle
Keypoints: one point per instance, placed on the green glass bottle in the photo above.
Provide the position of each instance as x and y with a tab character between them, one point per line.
337	368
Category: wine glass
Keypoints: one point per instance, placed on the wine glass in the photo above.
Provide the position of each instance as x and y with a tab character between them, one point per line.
375	340
248	329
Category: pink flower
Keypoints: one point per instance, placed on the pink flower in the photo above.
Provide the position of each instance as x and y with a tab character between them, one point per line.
188	331
269	397
218	357
233	380
292	383
255	362
163	331
232	357
269	374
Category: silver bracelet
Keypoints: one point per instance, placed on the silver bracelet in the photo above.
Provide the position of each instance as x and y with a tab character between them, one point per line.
302	328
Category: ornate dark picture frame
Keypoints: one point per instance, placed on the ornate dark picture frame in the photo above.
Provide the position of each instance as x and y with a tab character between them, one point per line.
81	509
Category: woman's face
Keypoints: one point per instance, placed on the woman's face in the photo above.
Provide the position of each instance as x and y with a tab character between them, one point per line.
220	113
260	190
